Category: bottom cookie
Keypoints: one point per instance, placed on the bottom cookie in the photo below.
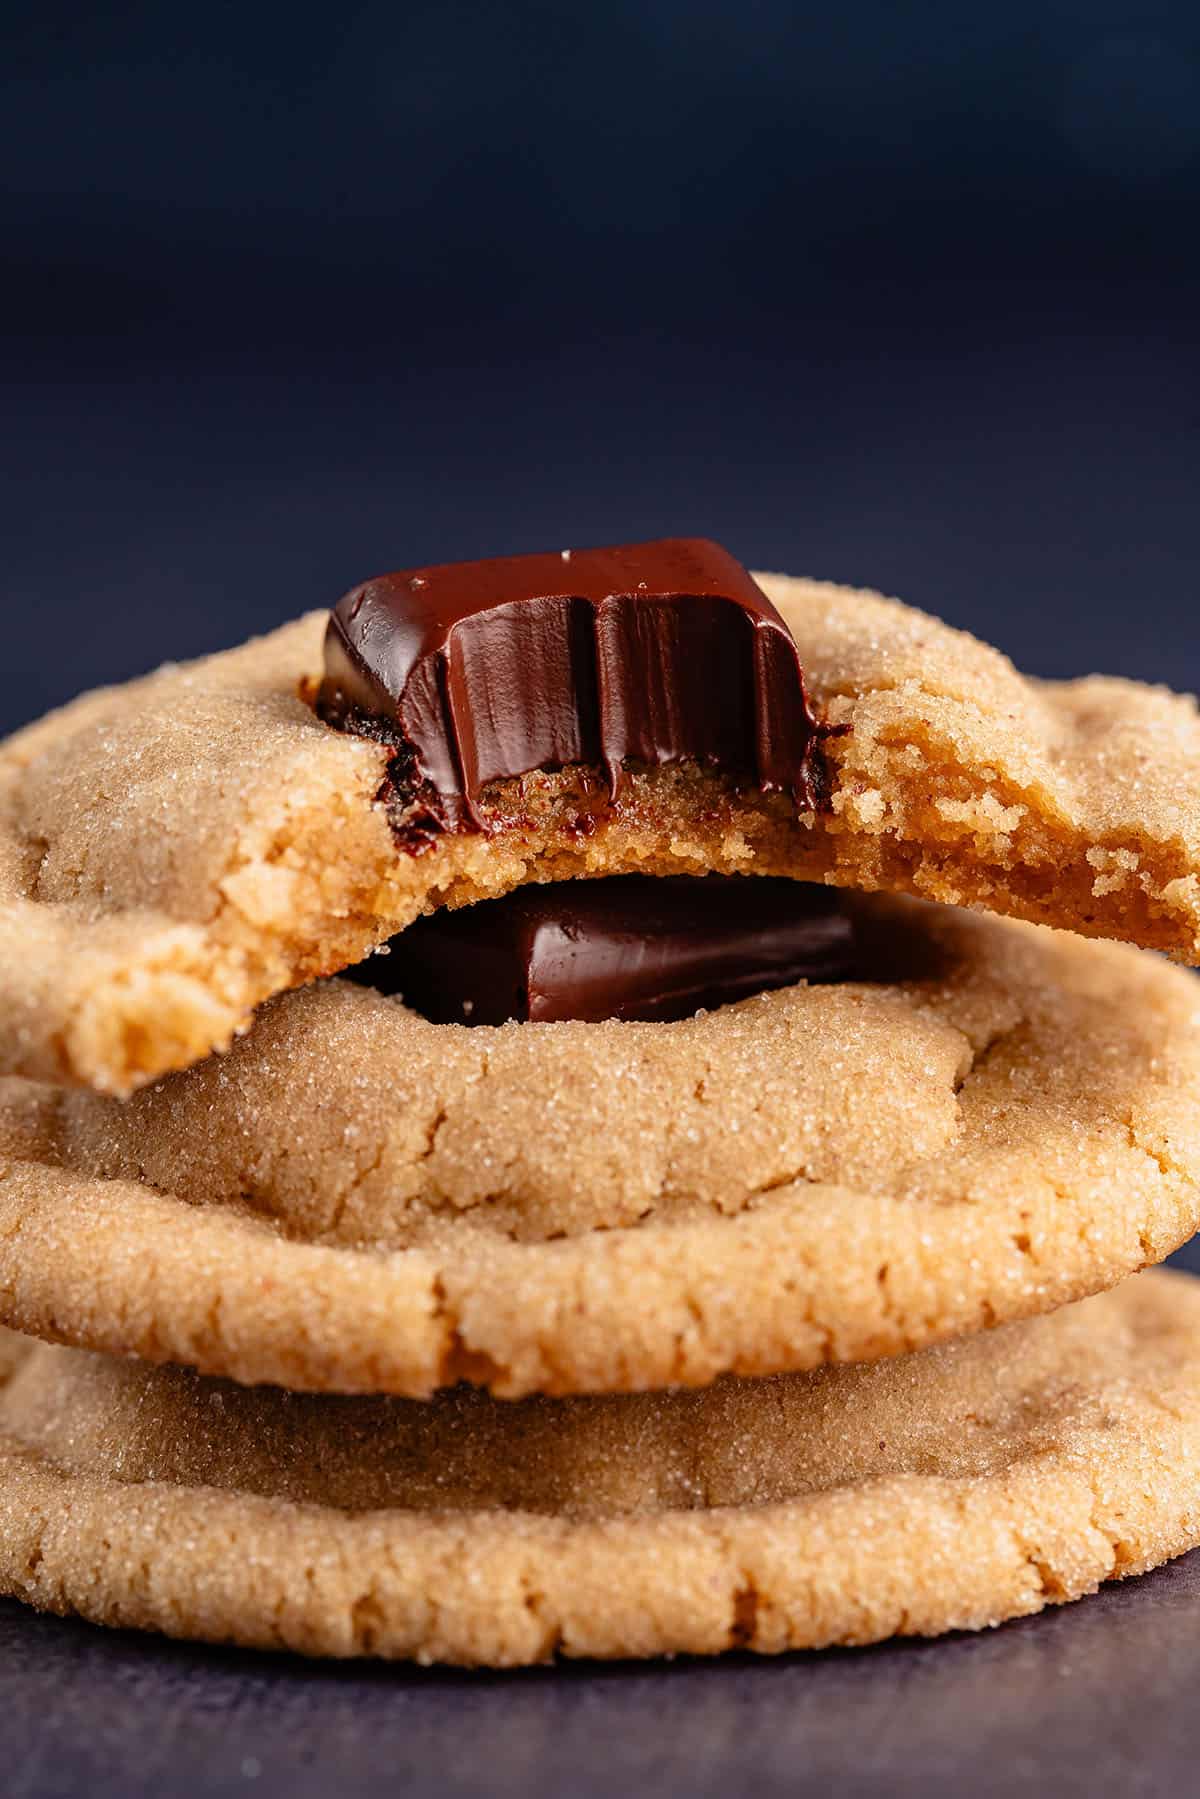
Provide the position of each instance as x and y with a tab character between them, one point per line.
955	1488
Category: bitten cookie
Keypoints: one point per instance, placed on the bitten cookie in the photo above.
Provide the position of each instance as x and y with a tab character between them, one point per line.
992	1120
979	1481
174	851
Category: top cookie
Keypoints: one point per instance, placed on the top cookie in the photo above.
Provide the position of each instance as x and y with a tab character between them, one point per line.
174	851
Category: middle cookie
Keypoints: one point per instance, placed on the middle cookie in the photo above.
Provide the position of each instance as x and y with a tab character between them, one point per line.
987	1121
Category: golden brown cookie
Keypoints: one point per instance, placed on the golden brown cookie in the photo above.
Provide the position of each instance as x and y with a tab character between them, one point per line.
975	1482
1001	1119
174	851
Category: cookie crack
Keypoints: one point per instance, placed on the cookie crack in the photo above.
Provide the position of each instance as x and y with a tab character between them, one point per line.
432	1132
353	1187
1169	1169
546	1620
1119	1555
34	850
1051	1587
368	1622
988	1050
790	1177
743	1623
459	1360
695	1329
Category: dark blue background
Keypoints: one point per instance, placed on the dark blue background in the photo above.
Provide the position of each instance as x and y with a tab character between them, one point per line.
903	294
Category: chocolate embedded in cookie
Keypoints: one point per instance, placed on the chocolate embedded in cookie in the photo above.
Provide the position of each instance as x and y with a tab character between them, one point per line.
630	947
357	1199
654	652
175	850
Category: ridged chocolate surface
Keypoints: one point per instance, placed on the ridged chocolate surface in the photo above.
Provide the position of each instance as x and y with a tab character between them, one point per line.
652	653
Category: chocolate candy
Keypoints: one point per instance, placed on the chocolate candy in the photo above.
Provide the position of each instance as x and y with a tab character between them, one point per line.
623	946
651	653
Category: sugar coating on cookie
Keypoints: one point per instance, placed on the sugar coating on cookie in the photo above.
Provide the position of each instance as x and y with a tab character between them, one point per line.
174	851
970	1484
993	1120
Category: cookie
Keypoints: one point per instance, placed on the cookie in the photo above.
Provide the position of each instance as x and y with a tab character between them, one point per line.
994	1120
174	851
975	1482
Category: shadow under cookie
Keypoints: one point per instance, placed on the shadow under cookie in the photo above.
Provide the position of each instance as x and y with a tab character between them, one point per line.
975	1482
999	1121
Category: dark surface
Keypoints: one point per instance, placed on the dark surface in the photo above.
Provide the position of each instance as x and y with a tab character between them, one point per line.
655	652
628	946
900	295
1095	1699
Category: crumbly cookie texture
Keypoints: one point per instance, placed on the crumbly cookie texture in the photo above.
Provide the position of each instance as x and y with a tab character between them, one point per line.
975	1482
174	851
1002	1119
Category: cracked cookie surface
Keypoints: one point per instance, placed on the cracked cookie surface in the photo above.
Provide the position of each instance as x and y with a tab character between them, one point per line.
974	1482
174	851
994	1120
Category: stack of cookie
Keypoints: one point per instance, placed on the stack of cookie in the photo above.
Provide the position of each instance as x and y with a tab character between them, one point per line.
420	1251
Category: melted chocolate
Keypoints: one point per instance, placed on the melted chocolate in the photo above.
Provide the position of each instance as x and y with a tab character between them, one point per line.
624	946
652	653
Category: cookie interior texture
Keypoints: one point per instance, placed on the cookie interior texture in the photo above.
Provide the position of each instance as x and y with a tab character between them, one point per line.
1001	1120
175	851
972	1483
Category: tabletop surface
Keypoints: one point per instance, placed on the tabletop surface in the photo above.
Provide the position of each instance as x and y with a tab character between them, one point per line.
1095	1698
